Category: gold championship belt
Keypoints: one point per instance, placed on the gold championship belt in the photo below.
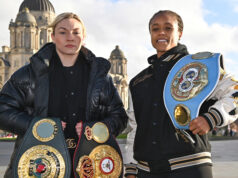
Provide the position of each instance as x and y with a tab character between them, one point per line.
98	154
43	152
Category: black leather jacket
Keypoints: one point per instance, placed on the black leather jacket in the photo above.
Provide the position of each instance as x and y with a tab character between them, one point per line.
26	95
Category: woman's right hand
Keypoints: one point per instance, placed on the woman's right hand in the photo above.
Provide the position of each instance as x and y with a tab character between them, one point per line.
63	124
130	176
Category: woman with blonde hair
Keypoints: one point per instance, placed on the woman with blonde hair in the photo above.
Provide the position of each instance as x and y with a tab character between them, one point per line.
63	80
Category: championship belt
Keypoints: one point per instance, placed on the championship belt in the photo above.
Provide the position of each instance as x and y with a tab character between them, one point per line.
43	152
191	80
98	154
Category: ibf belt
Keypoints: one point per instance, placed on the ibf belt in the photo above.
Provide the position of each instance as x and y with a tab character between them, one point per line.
191	80
98	154
43	152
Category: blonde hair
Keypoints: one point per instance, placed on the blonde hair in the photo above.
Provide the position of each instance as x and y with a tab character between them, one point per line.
66	15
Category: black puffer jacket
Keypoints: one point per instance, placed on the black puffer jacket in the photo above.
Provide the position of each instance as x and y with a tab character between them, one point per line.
26	95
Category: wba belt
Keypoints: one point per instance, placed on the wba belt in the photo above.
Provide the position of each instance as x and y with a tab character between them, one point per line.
97	153
43	151
192	79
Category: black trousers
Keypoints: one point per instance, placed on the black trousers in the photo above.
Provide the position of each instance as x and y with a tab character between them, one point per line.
204	171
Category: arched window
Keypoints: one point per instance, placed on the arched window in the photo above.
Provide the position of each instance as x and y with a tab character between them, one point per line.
41	37
119	68
114	68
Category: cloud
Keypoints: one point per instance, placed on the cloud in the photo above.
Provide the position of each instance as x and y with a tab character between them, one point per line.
8	11
125	23
236	8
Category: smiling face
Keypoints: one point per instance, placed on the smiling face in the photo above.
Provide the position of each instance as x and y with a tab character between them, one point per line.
68	37
164	32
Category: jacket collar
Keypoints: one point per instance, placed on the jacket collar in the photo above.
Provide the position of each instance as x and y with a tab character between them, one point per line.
179	50
41	60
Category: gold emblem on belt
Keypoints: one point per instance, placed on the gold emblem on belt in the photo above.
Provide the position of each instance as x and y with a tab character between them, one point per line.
104	162
85	167
99	132
189	81
202	55
182	114
41	161
45	130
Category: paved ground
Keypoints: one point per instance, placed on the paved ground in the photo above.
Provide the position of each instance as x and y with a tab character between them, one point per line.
224	153
225	158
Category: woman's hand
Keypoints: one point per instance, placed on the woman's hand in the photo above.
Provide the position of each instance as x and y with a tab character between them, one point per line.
78	128
199	126
63	124
130	176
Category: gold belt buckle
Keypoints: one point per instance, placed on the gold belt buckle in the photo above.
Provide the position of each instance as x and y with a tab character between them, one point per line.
71	143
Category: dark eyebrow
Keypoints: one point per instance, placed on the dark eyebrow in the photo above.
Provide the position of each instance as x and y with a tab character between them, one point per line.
168	24
154	24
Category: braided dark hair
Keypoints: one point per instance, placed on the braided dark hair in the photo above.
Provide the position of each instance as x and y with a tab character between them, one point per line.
179	19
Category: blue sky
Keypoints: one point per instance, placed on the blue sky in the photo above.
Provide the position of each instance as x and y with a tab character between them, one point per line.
221	11
209	25
225	13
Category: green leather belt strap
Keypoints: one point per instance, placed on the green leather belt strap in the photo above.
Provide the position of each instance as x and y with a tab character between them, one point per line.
43	151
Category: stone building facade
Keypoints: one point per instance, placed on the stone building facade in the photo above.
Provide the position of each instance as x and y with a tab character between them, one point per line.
28	33
118	72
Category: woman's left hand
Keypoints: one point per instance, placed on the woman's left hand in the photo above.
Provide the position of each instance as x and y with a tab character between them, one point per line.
78	128
199	126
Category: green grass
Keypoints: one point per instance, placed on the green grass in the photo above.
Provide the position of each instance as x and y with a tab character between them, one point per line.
7	139
122	136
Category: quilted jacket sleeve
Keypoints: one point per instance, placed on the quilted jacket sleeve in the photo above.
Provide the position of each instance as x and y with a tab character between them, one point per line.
14	115
116	117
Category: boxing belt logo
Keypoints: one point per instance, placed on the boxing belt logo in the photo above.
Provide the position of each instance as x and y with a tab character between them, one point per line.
191	80
43	152
103	160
